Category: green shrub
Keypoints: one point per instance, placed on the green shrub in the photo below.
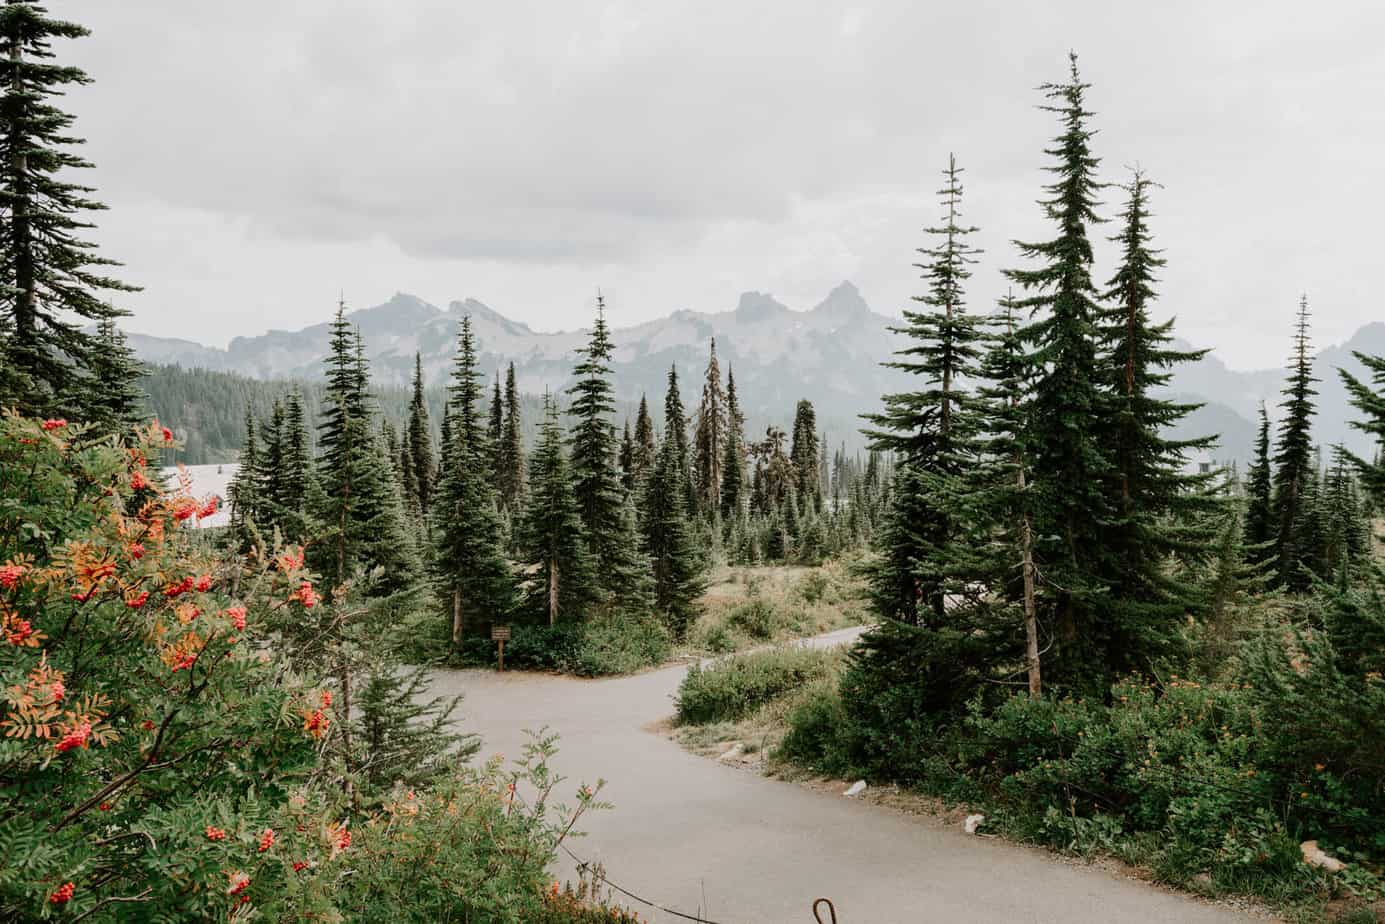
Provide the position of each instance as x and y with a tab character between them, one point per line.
718	639
622	644
817	729
736	686
758	618
814	586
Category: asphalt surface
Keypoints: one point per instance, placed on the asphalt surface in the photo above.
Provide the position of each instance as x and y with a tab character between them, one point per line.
700	837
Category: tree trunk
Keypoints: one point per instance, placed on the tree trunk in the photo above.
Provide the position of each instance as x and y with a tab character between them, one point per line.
25	320
344	722
552	593
456	618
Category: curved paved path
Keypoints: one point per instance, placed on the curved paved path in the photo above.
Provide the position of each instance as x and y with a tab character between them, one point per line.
761	850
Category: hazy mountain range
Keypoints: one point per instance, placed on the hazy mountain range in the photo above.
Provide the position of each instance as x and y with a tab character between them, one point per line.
829	354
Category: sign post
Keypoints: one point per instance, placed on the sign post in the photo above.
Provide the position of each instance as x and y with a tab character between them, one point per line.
500	635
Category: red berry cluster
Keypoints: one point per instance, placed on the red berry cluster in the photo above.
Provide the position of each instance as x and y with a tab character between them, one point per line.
215	834
77	738
266	839
17	631
180	588
63	894
10	575
54	423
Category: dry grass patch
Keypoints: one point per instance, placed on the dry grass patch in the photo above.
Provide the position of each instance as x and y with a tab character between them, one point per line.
748	606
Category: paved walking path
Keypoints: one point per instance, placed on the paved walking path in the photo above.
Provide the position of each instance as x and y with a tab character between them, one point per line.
693	834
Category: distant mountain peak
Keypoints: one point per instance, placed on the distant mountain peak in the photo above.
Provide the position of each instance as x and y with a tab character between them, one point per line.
479	310
844	301
757	306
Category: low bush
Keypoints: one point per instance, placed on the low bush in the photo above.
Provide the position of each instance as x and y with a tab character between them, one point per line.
758	618
737	686
622	644
606	644
817	726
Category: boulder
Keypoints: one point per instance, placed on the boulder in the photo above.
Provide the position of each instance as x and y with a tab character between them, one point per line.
1313	856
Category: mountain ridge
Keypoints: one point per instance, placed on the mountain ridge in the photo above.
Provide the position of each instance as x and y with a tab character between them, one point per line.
829	354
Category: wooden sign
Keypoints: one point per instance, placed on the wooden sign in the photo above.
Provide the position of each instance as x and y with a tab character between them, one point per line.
500	635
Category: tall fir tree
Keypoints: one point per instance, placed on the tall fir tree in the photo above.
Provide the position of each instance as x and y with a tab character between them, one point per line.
668	536
1070	463
928	428
473	576
553	537
803	452
629	577
676	429
1259	516
1293	460
113	400
512	482
495	435
246	496
627	458
593	442
1160	512
293	486
419	440
51	281
733	474
645	448
709	438
361	513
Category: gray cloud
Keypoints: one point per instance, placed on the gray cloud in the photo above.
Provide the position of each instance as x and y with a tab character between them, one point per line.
260	155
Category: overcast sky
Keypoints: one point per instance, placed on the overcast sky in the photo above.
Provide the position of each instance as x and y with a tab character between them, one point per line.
260	156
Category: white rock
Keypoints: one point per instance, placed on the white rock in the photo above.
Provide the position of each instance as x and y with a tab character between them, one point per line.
733	752
973	822
856	789
1313	856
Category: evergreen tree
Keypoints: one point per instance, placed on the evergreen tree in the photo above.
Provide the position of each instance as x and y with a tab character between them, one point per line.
419	441
1259	516
272	465
1369	400
406	740
629	578
803	452
1159	512
473	576
593	442
444	441
512	484
710	436
676	429
495	435
113	400
733	474
361	511
1293	459
667	536
1344	533
927	428
246	497
645	451
554	540
292	484
1069	459
627	459
51	281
